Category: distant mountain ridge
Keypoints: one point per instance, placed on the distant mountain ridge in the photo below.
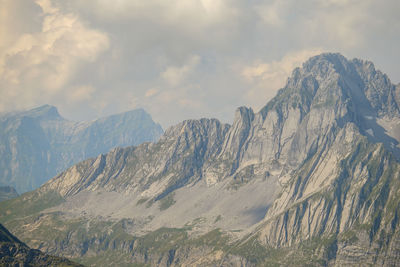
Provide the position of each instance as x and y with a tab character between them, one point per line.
37	144
313	178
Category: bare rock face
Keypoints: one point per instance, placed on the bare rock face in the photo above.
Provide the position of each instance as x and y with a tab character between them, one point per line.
39	143
312	178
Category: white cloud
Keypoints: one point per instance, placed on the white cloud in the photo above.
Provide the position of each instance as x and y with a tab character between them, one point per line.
175	75
342	22
47	7
39	65
81	93
272	13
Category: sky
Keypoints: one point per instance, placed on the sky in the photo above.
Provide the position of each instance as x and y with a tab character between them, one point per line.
178	59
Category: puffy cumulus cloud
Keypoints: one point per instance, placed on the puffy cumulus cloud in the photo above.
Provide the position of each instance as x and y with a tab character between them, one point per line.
266	78
14	16
39	66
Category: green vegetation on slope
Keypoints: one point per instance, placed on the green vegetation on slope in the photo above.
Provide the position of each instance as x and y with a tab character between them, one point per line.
28	204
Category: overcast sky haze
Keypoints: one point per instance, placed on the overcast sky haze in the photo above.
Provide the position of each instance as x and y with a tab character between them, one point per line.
178	59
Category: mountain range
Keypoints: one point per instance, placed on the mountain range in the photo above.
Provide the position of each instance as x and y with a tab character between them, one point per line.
37	144
312	179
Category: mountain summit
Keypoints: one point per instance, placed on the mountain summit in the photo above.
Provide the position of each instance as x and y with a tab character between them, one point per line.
312	178
45	112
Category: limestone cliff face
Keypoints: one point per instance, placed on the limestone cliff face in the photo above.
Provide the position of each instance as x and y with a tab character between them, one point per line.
315	170
39	143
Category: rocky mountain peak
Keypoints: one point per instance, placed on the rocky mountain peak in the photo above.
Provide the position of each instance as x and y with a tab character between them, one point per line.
45	112
358	80
330	81
324	65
